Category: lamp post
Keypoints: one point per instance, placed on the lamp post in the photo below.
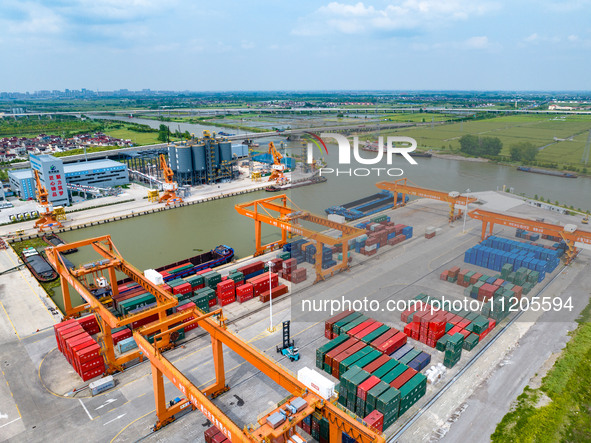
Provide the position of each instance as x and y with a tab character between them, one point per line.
271	328
465	211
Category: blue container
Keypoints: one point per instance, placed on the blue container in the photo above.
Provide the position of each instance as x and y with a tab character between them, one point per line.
401	352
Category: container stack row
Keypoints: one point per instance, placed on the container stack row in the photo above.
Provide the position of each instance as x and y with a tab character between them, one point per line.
494	252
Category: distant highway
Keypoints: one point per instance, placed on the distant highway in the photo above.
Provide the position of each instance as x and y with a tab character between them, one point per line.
376	110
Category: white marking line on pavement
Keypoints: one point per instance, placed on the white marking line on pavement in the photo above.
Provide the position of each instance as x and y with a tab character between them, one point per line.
116	418
87	413
111	400
6	424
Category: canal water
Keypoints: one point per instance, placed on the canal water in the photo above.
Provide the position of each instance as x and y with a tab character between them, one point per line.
154	240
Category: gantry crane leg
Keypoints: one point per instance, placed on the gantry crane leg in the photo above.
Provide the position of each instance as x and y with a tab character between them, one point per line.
219	387
165	413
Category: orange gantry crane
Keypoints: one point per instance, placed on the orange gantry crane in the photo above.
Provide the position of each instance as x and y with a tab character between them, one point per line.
278	167
47	219
170	186
573	237
453	198
262	431
214	324
103	273
274	211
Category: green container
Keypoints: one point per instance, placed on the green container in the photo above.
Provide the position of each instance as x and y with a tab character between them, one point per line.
322	350
385	368
441	343
484	278
394	373
136	302
336	328
182	297
352	324
372	397
375	334
421	296
346	379
175	282
406	359
471	316
194	280
480	325
448	327
237	276
468	276
211	279
388	404
533	277
470	342
452	279
348	362
371	356
284	255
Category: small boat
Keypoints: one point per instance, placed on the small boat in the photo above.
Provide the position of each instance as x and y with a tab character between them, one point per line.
272	188
54	240
38	265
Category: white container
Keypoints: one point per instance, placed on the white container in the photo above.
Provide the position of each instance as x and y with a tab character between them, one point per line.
96	387
336	218
316	382
154	276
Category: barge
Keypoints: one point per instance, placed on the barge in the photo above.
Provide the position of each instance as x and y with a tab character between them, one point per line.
38	265
54	240
546	172
366	206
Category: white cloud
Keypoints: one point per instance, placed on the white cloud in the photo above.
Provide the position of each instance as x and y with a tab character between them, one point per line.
479	42
245	44
402	15
31	18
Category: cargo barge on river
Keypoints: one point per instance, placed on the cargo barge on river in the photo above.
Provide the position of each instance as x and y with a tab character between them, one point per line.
546	172
38	265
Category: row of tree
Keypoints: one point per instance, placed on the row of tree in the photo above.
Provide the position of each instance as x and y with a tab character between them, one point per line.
491	147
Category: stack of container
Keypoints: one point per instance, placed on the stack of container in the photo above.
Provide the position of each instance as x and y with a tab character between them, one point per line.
245	292
453	350
237	277
522	233
204	299
214	435
225	292
80	349
186	307
252	269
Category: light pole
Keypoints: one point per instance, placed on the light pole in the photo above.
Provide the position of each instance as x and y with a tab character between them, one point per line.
465	212
271	328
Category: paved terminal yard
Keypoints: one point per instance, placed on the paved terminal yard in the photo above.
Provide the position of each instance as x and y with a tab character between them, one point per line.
38	401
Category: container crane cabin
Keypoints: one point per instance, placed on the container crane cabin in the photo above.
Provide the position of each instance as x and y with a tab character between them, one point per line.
47	219
452	198
170	186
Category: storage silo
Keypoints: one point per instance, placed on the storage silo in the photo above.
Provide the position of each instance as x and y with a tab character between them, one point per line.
225	151
184	159
213	148
172	157
198	157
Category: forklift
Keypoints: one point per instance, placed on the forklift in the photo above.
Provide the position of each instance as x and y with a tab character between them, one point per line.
288	349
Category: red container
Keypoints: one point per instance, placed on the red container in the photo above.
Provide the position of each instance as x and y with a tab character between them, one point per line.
375	420
71	342
360	327
276	291
182	289
377	363
389	346
144	321
210	433
58	327
92	364
403	378
336	351
328	324
69	334
366	386
369	329
92	373
382	338
343	355
89	324
88	353
121	335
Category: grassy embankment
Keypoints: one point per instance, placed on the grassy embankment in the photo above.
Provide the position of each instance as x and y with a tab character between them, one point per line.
560	409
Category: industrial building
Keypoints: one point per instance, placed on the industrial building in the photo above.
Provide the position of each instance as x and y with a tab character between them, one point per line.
60	178
196	161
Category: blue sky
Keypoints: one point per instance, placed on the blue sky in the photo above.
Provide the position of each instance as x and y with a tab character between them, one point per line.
295	45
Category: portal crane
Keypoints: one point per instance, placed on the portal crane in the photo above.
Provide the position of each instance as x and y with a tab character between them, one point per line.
573	237
170	186
277	166
110	262
288	219
46	217
452	198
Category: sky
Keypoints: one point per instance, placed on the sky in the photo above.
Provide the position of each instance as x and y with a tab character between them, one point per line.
295	45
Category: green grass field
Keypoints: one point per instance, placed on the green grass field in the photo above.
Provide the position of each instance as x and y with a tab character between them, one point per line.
560	410
138	138
537	129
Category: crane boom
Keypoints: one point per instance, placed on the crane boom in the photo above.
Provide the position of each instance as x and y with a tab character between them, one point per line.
170	186
573	237
278	168
452	198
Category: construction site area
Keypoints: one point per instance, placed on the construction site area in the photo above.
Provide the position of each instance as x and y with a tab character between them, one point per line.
381	322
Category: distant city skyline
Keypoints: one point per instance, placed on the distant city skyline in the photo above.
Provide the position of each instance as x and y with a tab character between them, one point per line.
463	45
